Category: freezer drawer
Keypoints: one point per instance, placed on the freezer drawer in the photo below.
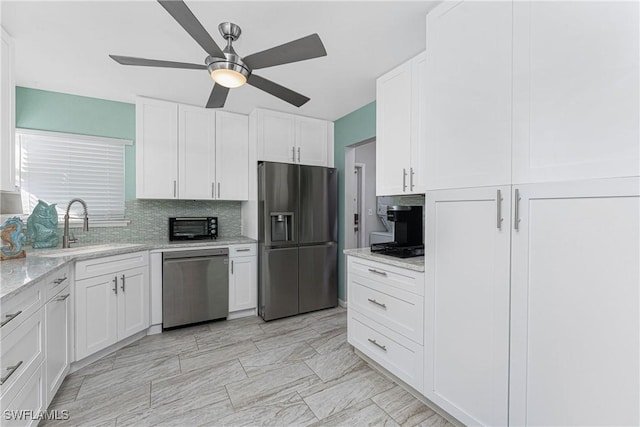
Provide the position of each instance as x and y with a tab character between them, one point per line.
279	282
318	278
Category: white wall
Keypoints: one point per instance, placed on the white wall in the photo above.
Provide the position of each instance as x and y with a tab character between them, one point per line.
366	154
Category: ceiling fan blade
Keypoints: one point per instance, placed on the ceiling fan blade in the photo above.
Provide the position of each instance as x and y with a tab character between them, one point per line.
218	96
130	60
278	91
298	50
181	13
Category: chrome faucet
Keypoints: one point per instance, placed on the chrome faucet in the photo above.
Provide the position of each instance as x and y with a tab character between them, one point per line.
66	241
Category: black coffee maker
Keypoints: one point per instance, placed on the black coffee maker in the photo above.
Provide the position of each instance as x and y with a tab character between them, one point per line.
407	224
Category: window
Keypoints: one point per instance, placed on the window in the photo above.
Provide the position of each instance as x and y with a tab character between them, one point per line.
56	168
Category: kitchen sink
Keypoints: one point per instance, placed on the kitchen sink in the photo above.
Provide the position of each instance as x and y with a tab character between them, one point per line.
84	250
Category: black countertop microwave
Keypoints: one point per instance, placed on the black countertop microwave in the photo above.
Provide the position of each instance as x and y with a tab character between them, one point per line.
193	228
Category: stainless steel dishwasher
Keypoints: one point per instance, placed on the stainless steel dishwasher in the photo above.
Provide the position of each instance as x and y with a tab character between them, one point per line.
195	286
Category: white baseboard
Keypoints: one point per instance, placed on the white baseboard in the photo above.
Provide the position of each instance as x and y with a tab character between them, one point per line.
342	303
79	364
241	313
154	329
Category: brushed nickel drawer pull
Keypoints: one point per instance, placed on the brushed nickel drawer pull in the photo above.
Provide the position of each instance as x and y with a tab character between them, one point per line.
11	370
374	342
374	271
377	303
62	297
10	317
243	250
60	280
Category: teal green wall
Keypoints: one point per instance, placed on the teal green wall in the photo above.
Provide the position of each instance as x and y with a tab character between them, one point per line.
61	112
353	128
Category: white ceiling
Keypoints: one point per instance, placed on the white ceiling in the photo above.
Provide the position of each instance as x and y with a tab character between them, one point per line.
63	46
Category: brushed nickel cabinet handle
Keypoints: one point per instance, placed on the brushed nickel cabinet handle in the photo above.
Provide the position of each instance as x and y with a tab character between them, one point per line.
213	190
298	154
231	266
499	209
62	297
374	342
115	285
293	152
404	180
9	318
377	303
218	190
175	188
516	210
411	174
374	271
11	370
122	285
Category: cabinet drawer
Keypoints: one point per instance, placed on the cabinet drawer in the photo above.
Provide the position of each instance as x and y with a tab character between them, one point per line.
26	402
401	278
400	356
17	309
400	311
242	250
107	265
56	282
21	350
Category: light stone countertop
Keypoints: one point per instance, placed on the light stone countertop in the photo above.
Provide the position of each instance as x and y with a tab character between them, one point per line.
20	274
415	263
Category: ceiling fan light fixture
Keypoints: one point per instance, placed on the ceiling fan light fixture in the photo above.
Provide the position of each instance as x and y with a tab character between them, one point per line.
228	74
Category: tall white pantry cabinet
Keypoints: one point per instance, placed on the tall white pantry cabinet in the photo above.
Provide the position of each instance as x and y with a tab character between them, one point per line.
532	302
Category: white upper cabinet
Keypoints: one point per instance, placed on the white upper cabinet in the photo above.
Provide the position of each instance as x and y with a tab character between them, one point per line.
156	149
468	94
7	115
575	90
232	156
400	144
196	152
190	153
287	138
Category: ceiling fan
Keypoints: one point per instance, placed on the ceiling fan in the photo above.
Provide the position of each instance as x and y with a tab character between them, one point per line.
227	68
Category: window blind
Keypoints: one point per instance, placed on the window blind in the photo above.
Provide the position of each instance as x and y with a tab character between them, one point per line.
56	168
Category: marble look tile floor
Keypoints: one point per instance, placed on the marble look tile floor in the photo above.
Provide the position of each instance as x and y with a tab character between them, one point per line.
297	371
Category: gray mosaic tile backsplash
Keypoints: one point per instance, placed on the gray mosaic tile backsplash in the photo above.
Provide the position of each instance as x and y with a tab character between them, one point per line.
150	220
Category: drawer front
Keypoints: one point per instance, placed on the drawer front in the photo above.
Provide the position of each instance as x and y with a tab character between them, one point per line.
20	407
17	309
243	250
400	278
56	282
21	350
400	356
400	311
107	265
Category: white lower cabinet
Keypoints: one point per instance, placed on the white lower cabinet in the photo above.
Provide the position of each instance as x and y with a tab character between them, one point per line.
23	406
113	305
385	317
243	277
467	303
575	304
57	340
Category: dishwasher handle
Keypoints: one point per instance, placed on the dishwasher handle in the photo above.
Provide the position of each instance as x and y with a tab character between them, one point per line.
168	256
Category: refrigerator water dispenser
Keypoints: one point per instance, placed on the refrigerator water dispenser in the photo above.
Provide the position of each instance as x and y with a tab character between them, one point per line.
281	226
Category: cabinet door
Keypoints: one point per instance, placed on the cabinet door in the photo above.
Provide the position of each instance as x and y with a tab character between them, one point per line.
232	156
96	310
243	283
133	301
156	149
418	157
276	136
468	83
575	311
7	111
196	153
311	141
576	90
58	340
467	303
393	131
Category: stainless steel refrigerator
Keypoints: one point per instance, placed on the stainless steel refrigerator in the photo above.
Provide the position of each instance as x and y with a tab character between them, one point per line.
298	232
